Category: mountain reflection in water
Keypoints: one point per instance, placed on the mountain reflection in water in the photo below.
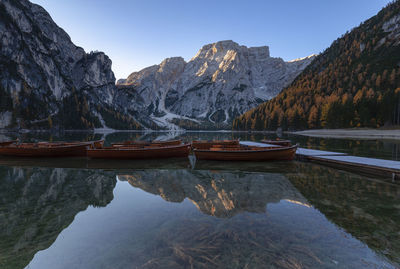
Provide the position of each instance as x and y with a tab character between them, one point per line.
36	204
217	193
283	216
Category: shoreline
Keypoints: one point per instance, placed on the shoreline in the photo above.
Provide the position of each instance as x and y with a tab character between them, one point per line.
351	133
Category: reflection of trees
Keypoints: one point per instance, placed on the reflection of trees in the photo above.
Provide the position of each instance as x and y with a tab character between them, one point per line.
369	210
37	204
221	194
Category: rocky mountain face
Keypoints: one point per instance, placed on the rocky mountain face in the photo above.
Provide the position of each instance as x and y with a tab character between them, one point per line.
222	81
46	81
49	83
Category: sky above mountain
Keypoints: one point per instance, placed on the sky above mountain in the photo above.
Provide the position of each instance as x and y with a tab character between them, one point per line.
136	34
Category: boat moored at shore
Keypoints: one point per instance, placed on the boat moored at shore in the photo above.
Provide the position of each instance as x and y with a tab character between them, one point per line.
246	153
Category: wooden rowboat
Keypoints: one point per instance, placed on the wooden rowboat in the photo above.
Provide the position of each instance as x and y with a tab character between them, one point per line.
145	152
92	144
284	143
204	144
6	143
44	150
154	142
242	153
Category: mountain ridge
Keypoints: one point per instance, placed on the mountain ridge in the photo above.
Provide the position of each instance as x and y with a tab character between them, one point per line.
221	81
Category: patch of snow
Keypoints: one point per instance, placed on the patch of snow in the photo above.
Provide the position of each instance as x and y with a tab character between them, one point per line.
104	129
226	116
203	115
165	121
303	58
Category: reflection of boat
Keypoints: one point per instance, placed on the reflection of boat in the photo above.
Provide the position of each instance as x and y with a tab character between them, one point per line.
284	143
6	143
205	144
245	153
153	143
140	152
84	163
44	150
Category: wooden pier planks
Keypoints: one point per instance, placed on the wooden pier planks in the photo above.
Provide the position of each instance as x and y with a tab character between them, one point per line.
370	166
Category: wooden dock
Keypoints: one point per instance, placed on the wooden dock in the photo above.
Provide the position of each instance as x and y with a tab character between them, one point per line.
363	165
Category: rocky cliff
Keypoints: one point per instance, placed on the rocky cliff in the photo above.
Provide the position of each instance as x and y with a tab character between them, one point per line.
46	81
222	81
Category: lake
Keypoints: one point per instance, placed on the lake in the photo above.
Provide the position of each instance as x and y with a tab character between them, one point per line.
182	213
376	148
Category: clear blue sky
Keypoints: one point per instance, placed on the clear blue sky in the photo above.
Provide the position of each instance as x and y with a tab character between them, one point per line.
136	34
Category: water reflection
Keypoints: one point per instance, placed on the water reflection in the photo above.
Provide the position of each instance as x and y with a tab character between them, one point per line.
366	208
217	193
37	204
217	215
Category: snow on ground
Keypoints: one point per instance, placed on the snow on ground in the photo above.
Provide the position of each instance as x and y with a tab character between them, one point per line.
165	121
104	129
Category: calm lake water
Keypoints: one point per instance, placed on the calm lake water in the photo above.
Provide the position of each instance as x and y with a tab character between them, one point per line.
376	148
179	213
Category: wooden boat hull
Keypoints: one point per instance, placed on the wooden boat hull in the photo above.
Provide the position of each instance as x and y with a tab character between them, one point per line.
207	144
160	143
140	153
40	151
7	143
269	154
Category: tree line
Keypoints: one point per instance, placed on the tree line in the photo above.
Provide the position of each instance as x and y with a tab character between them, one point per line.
353	83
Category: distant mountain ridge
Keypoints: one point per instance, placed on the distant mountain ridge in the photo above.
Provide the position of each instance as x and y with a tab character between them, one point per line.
353	83
47	82
219	83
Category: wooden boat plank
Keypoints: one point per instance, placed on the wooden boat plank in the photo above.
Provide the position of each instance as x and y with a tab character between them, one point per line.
44	151
260	154
140	153
6	143
251	143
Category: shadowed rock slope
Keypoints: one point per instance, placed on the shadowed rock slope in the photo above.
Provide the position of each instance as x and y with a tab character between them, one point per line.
48	82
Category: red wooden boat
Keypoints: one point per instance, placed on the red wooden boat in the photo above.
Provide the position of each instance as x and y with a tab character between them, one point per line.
284	143
140	152
6	143
204	144
44	150
142	143
92	144
246	153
